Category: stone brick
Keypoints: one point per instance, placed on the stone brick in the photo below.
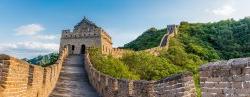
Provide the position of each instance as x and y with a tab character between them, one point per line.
237	85
236	71
222	85
246	71
233	84
239	63
246	84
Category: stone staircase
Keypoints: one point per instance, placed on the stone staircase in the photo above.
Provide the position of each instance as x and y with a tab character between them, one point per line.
73	80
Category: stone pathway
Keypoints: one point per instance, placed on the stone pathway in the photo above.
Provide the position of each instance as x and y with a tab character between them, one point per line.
164	41
73	80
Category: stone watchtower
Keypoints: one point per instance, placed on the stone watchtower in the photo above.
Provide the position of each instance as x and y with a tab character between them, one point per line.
172	29
86	35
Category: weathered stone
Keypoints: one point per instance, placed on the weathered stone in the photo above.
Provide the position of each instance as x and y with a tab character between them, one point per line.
87	35
232	80
20	79
4	57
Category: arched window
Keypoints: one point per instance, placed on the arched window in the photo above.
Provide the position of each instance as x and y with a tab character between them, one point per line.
83	49
73	47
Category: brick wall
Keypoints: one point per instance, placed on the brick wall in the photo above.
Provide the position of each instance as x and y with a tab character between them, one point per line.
117	52
156	50
180	85
226	78
21	79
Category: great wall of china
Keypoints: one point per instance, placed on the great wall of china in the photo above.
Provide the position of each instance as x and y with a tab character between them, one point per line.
180	85
19	79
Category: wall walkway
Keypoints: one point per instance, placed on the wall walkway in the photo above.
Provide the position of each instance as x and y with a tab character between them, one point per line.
73	80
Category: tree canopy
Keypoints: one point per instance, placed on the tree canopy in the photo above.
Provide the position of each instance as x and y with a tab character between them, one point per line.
149	39
44	60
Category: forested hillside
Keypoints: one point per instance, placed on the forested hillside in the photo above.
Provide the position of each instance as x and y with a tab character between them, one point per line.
149	39
195	44
225	39
44	60
229	38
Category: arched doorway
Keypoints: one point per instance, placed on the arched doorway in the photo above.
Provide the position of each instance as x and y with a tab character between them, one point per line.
83	49
71	49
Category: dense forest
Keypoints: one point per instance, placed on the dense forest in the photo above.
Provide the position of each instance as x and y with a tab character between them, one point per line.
44	60
149	39
224	39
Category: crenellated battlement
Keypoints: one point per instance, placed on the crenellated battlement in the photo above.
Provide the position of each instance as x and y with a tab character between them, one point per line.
180	85
86	34
21	79
71	35
65	31
118	52
172	29
226	78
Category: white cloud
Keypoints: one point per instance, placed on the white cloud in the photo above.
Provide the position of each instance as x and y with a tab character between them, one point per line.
7	46
35	43
28	48
38	46
45	37
30	29
225	10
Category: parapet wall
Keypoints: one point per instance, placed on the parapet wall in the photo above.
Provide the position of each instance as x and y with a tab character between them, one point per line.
21	79
117	52
155	51
180	85
226	78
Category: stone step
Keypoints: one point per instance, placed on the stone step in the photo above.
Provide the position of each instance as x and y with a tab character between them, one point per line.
73	70
73	80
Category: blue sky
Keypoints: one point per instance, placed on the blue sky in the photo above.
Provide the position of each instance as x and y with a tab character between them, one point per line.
32	27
